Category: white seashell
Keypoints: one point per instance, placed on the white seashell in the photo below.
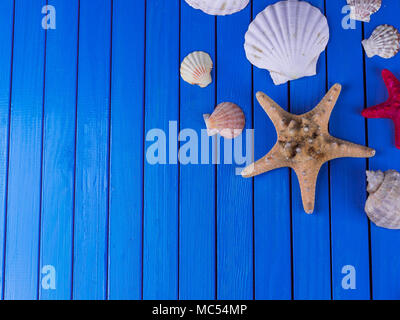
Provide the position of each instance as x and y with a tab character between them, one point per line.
219	7
362	10
383	203
384	42
196	69
287	39
228	120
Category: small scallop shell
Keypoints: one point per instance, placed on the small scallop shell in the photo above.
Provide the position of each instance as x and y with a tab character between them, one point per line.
383	204
384	42
196	69
362	10
219	7
227	119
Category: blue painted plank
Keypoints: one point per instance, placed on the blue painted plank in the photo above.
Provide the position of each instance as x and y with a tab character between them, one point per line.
311	239
273	279
59	149
126	179
349	223
234	193
384	243
160	247
197	180
23	204
6	25
91	190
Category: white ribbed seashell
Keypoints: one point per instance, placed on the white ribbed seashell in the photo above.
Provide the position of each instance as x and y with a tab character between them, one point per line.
362	10
287	39
384	42
228	120
196	69
383	203
219	7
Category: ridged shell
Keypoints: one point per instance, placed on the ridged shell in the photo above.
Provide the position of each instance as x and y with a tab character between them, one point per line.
287	39
362	10
384	42
196	69
383	203
228	120
219	7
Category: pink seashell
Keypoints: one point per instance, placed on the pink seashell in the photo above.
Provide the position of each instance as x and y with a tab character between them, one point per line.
228	120
363	9
196	69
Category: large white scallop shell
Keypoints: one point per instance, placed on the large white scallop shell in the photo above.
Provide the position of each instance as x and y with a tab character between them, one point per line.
228	120
383	203
362	10
196	69
287	39
219	7
384	42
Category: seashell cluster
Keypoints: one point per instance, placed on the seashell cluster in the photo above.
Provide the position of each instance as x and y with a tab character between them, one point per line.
384	42
228	120
287	39
196	69
383	203
362	10
219	7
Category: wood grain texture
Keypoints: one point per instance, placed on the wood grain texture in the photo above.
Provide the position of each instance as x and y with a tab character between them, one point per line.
349	223
126	179
160	247
311	241
272	230
197	181
92	165
6	38
76	104
59	149
384	243
234	193
23	203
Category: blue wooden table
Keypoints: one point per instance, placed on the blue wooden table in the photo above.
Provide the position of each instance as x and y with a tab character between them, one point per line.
80	202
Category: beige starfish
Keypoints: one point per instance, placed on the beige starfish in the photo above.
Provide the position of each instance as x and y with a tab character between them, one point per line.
304	144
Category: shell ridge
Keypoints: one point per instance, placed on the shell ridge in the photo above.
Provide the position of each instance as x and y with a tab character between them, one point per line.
270	41
278	30
316	25
256	38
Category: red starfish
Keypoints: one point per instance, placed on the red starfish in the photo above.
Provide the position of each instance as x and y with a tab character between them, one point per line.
391	108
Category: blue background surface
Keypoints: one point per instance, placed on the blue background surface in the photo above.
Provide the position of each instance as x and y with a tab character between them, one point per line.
77	193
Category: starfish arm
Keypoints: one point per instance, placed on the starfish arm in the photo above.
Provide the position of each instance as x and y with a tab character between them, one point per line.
273	110
322	112
391	82
380	111
273	160
307	176
344	149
